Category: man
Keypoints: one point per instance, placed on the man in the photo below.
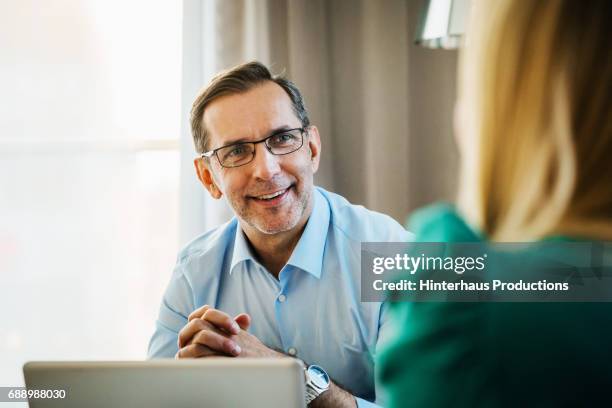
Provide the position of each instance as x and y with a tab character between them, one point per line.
287	266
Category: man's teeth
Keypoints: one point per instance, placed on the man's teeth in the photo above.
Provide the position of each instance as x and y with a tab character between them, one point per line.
269	196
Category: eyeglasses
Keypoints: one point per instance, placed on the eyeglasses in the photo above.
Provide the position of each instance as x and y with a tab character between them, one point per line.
239	154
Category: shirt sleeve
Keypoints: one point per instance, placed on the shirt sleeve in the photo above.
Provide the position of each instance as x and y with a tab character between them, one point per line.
361	403
384	327
176	305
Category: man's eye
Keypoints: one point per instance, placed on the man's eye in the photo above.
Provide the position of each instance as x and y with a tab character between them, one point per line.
282	139
236	151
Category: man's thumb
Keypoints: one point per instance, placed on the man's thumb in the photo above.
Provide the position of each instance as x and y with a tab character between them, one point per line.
243	320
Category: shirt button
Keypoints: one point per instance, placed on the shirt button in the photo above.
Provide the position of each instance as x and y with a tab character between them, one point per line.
282	298
292	351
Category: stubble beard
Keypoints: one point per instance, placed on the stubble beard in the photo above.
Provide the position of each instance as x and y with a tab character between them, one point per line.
276	220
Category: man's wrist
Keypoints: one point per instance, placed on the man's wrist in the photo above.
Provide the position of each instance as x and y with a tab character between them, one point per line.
335	397
317	382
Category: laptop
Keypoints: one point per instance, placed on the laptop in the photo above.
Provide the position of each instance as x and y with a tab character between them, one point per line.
202	383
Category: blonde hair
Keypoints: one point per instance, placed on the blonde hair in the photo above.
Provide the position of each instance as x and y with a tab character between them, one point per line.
534	87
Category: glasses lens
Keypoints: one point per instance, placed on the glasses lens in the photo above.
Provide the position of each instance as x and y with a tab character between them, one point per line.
236	155
285	142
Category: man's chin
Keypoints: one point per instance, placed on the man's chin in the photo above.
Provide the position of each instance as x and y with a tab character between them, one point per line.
272	229
274	221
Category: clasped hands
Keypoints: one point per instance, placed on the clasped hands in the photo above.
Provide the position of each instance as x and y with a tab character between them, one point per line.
211	332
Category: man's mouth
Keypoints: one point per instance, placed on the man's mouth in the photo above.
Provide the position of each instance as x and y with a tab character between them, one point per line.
271	196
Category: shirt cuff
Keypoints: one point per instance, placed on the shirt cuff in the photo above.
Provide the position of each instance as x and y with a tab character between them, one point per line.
361	403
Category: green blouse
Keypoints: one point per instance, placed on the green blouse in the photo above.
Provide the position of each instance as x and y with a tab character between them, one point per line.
493	354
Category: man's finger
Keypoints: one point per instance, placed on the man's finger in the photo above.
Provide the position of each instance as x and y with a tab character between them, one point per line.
216	342
243	320
198	313
195	351
221	321
190	329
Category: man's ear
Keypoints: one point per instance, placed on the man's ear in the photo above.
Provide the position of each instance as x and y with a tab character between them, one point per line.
205	175
314	143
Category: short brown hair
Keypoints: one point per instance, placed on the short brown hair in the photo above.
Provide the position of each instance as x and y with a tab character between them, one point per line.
240	79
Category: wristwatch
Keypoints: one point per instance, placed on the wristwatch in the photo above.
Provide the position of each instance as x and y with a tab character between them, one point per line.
317	382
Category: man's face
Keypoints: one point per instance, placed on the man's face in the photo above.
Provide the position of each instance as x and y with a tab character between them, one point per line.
271	194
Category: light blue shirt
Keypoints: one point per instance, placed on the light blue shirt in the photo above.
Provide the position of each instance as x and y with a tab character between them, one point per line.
313	311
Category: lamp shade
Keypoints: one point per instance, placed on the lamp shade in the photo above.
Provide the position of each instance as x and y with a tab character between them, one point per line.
442	23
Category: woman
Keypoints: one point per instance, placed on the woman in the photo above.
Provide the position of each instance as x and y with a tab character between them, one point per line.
534	126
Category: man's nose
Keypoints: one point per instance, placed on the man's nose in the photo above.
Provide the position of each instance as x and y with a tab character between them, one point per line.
265	164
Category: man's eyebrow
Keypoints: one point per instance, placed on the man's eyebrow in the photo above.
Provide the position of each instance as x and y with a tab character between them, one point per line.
246	140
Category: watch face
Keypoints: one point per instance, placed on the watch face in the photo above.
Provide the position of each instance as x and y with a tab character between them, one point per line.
318	376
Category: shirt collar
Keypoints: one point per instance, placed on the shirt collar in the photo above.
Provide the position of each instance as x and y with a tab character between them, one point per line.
308	253
242	251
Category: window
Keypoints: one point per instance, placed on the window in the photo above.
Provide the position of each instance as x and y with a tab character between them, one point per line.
89	176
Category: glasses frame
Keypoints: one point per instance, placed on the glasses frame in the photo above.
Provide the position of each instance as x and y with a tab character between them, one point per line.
210	153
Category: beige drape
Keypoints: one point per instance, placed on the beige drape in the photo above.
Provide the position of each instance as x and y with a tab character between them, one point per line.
383	105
